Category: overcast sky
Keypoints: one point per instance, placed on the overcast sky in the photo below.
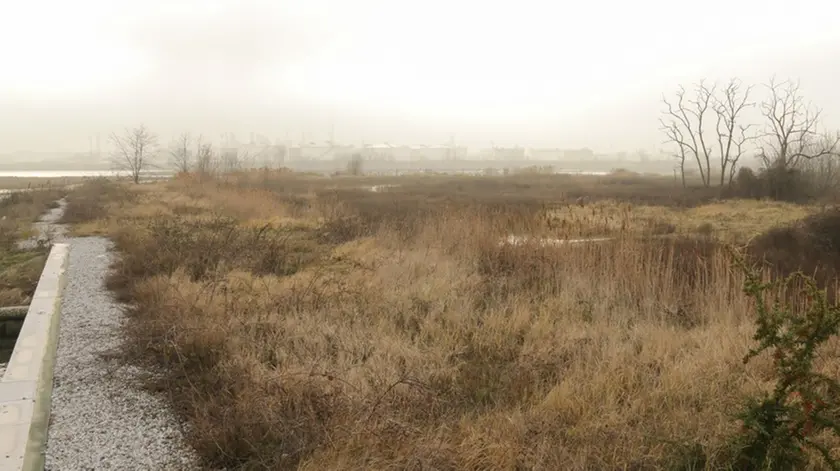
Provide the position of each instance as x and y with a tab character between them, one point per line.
543	73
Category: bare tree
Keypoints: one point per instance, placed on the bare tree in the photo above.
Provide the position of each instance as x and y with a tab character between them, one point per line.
205	160
134	151
731	135
792	134
247	160
684	124
823	173
355	164
280	153
687	123
180	154
231	161
673	132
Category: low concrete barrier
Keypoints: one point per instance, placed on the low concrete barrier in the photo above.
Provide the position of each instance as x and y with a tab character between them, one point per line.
26	387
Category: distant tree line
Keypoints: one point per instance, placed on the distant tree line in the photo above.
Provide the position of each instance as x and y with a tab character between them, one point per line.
711	127
137	150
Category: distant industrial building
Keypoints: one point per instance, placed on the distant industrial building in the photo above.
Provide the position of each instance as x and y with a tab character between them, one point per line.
319	151
508	153
259	152
580	154
560	154
385	151
402	153
546	154
439	152
422	152
229	153
264	155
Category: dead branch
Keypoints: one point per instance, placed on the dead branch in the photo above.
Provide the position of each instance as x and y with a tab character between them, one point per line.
179	153
674	134
687	124
791	132
684	125
205	161
732	136
134	151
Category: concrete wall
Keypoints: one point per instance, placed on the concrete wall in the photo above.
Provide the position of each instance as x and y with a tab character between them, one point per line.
26	387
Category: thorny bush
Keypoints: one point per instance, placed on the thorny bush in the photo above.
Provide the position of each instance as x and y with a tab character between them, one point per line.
779	427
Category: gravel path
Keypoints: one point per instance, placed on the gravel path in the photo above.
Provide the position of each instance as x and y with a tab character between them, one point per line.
100	419
47	228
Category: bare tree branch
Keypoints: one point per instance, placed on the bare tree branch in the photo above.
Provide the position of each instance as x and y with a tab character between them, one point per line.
791	133
824	172
674	134
180	154
743	137
134	151
205	161
702	102
731	135
232	161
687	124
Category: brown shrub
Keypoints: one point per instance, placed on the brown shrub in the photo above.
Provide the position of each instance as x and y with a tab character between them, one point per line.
811	246
779	184
687	269
400	333
543	188
89	201
204	247
25	207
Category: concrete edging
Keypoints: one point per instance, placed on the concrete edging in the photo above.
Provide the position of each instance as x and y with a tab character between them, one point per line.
26	387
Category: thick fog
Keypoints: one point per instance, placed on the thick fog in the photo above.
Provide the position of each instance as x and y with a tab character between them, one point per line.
533	73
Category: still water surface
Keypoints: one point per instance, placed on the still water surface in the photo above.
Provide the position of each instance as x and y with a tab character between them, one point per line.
71	173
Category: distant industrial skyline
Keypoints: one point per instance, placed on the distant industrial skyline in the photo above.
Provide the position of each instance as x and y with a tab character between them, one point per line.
98	143
230	140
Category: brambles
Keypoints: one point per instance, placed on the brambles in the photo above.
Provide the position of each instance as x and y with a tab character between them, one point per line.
779	427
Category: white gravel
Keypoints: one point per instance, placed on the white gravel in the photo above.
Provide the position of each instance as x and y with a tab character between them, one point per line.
100	419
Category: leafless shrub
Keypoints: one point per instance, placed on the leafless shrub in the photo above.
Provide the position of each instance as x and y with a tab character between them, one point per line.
134	151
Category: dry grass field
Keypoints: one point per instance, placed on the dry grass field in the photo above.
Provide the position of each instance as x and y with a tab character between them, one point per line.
309	323
20	269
